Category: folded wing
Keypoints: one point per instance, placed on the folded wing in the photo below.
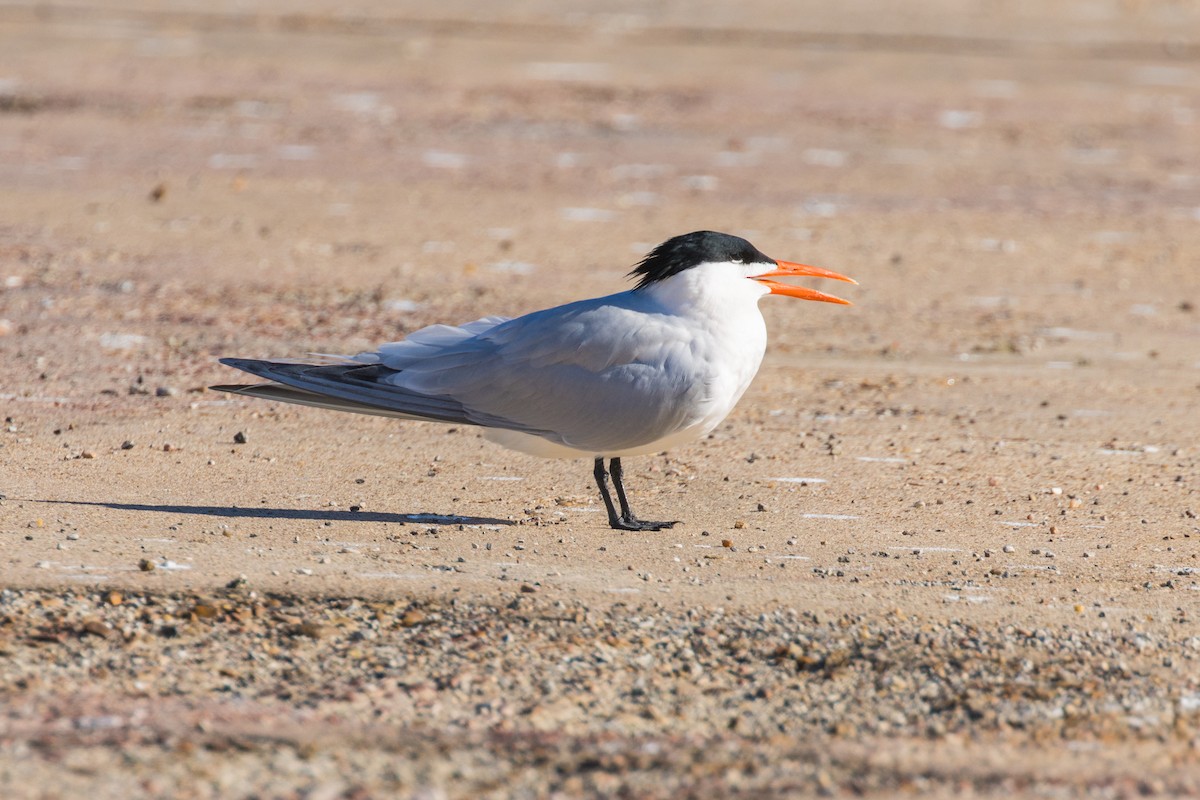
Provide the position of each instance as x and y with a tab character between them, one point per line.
597	376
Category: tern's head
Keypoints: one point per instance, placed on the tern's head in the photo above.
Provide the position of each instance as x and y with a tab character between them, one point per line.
729	256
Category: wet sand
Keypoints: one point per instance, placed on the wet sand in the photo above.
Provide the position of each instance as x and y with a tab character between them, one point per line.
947	544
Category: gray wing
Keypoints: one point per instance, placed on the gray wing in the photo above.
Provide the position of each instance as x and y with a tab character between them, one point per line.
358	383
363	384
341	387
596	375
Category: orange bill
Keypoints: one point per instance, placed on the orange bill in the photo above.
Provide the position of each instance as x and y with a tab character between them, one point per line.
788	269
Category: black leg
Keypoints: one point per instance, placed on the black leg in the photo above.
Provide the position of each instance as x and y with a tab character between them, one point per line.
602	482
627	521
618	479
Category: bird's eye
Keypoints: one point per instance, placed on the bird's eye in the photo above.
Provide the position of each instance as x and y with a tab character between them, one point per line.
739	261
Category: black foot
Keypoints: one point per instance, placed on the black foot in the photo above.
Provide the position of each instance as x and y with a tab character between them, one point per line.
626	521
635	524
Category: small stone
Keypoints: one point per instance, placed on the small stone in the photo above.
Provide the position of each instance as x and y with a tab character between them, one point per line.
166	391
1008	548
146	565
303	571
126	445
87	454
204	611
412	618
96	627
169	448
527	589
1056	490
310	629
739	524
726	543
239	437
114	598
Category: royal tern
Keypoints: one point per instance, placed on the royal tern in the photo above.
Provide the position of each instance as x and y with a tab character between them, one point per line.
628	374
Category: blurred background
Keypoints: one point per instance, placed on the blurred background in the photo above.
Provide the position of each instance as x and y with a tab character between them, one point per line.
991	172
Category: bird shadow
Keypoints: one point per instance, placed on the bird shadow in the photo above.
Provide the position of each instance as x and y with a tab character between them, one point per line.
320	515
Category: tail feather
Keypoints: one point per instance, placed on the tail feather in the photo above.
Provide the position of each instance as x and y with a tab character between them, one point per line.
344	387
288	394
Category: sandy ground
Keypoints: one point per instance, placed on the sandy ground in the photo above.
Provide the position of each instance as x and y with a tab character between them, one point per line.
947	545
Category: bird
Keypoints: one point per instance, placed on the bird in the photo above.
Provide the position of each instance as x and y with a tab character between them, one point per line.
627	374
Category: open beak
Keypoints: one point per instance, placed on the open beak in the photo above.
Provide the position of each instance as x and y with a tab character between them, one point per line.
787	268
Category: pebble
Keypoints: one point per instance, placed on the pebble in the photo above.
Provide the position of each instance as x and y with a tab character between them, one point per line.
96	627
1008	548
310	629
521	670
